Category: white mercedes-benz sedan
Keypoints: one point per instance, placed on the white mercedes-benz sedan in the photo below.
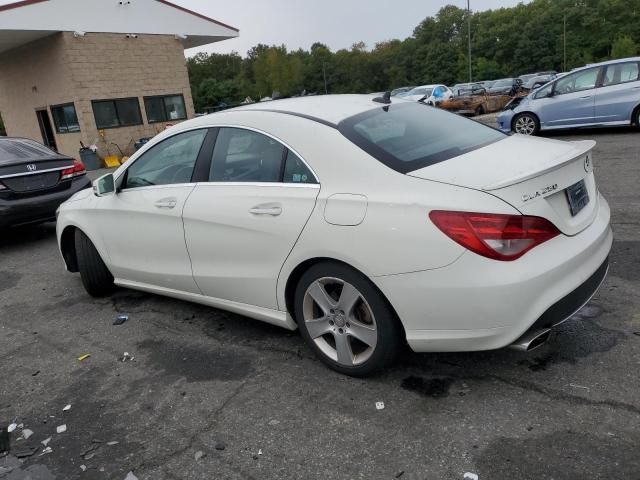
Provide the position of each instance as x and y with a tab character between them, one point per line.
366	223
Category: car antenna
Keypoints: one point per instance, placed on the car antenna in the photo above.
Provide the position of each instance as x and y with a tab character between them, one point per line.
386	98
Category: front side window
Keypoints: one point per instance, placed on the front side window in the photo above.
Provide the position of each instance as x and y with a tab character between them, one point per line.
121	112
165	108
168	163
620	73
65	118
246	156
577	82
411	136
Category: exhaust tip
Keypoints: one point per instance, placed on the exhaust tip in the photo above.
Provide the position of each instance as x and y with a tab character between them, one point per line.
531	340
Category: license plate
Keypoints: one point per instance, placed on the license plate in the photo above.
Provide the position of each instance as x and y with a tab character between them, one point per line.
578	197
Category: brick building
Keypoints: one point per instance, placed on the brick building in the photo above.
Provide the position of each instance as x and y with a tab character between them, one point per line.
104	72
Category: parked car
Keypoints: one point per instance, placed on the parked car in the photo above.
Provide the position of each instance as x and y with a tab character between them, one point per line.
464	88
536	82
604	94
363	222
505	86
429	94
34	181
529	76
487	84
474	101
401	91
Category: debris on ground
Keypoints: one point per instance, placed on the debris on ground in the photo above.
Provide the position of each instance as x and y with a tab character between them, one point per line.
221	446
61	428
35	374
379	405
90	452
24	451
579	386
470	476
83	468
260	451
126	357
67	408
121	319
46	451
400	473
112	443
46	441
26	433
130	476
199	454
12	427
274	422
82	358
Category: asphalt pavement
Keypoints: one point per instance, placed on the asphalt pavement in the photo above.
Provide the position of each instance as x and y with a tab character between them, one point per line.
207	394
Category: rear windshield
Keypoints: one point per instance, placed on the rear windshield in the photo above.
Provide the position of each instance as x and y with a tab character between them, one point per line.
411	136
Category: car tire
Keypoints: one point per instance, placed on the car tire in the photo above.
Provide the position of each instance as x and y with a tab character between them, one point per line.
525	124
96	277
354	331
479	111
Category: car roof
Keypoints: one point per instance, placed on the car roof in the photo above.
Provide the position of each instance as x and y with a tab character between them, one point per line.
15	149
328	109
608	62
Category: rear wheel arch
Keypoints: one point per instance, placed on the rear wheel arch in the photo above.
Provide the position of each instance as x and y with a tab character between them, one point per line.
300	269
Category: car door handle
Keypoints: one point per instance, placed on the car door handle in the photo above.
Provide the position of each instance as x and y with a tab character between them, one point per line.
585	97
271	210
167	203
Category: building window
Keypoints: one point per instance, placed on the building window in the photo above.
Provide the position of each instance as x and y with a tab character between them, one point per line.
165	108
121	112
65	118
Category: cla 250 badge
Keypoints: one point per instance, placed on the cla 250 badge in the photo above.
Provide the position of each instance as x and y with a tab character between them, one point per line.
539	193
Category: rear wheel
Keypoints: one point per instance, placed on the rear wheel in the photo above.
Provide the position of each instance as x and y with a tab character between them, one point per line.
345	319
526	124
96	277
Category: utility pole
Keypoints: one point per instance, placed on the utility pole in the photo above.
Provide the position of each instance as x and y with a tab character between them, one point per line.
469	15
324	74
564	46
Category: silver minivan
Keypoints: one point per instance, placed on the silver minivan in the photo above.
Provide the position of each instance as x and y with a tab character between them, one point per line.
603	94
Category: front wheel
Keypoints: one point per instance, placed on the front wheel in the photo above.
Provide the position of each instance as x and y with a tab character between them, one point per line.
96	277
526	124
345	319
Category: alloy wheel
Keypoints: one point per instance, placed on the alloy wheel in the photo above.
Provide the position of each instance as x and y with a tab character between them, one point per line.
525	125
340	321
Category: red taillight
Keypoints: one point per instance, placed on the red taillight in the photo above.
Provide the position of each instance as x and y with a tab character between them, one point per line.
75	171
500	237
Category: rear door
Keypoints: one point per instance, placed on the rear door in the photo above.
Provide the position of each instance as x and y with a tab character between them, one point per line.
241	225
619	92
142	226
572	102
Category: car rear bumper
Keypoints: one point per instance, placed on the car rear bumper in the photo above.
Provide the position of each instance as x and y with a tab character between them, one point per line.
40	208
481	304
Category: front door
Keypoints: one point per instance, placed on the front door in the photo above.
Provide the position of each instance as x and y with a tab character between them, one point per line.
573	100
242	224
45	130
142	222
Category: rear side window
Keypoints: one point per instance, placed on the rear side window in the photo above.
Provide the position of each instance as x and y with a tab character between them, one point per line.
246	156
620	73
295	171
411	136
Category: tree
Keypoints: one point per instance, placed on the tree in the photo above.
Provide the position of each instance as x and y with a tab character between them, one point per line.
623	47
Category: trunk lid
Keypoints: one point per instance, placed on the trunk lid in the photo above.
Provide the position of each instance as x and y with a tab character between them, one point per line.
27	166
539	177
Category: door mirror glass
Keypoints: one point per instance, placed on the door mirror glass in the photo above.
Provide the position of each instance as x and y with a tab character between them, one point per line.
104	186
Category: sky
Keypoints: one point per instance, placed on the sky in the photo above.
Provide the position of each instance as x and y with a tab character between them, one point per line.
336	23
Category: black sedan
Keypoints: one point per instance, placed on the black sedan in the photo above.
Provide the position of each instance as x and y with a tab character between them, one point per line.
34	181
505	86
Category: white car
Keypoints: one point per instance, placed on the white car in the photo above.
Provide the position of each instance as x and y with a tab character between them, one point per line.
429	94
365	223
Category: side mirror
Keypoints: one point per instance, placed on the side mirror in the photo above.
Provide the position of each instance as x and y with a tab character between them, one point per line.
104	186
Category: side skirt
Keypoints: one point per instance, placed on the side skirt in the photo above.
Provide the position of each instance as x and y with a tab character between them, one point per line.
274	317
